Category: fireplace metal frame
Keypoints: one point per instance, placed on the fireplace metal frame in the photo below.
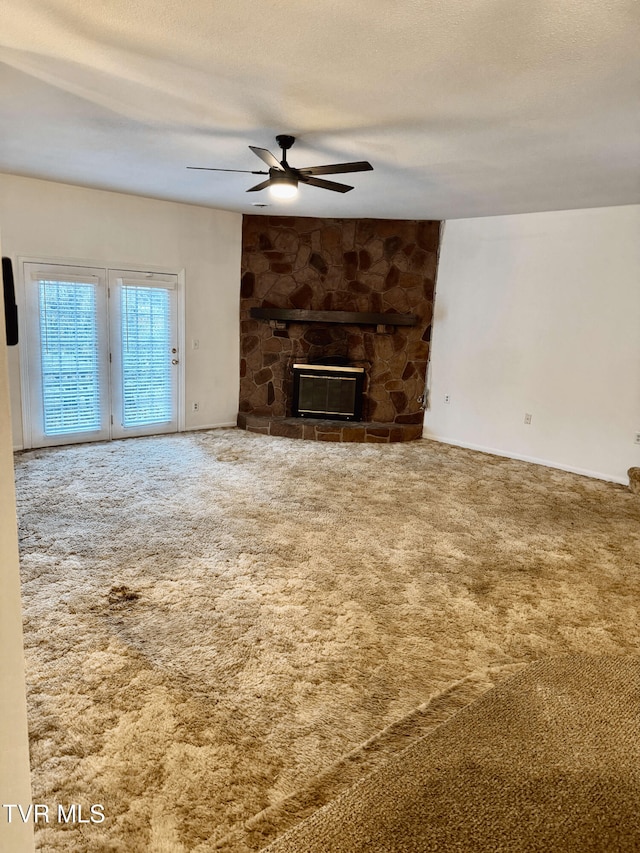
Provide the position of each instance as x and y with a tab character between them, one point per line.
328	372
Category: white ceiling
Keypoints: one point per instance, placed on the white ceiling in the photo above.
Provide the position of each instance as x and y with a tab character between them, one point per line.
464	107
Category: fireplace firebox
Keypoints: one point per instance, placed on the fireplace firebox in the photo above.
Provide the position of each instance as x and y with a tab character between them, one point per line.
327	391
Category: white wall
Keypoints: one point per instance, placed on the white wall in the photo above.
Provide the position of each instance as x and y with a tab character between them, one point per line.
41	219
15	783
540	313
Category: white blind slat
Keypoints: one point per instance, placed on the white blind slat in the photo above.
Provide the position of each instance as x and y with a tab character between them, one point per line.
167	282
64	278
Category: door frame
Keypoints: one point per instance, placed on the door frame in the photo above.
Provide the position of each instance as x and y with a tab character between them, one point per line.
105	267
116	279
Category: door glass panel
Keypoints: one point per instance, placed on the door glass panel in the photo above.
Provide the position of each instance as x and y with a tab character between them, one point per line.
69	357
147	379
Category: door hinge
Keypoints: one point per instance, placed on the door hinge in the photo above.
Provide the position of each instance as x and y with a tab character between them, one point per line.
111	420
109	358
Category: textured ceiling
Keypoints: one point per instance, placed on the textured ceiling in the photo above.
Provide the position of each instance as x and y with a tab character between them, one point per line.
464	107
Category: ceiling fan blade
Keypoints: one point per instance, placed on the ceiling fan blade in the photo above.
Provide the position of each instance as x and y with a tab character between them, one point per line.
213	169
259	187
267	157
337	168
325	185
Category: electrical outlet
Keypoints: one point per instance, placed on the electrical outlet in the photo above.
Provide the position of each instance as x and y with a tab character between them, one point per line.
447	398
195	407
527	418
637	438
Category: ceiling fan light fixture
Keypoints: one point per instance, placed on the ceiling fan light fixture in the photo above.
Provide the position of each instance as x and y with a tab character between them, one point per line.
283	186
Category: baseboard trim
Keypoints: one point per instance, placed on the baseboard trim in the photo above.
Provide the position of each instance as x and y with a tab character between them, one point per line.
596	475
17	448
201	427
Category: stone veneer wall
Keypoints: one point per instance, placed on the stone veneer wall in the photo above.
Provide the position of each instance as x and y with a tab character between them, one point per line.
383	266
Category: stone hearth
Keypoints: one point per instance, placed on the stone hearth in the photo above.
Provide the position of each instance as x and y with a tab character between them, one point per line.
337	265
316	429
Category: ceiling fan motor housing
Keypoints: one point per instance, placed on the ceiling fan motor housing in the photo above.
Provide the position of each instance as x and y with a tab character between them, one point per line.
288	176
285	142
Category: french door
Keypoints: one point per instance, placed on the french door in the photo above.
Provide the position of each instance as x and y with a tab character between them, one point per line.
144	353
101	353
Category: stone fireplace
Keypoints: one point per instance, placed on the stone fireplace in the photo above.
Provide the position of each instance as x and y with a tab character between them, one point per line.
355	293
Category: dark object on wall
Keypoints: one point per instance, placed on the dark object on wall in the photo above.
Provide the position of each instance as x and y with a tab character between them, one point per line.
327	391
10	307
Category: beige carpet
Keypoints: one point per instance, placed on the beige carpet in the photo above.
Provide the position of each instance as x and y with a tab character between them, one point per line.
547	762
223	630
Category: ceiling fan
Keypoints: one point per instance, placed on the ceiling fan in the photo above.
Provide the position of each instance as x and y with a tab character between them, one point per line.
283	179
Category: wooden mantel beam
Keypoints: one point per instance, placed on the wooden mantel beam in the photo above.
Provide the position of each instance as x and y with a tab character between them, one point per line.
354	318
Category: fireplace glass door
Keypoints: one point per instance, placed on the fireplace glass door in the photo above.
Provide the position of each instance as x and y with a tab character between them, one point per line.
324	391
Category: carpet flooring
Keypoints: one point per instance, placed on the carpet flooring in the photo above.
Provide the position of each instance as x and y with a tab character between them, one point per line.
546	762
224	630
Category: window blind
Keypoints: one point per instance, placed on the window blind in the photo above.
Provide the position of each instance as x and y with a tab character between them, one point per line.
147	389
69	357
